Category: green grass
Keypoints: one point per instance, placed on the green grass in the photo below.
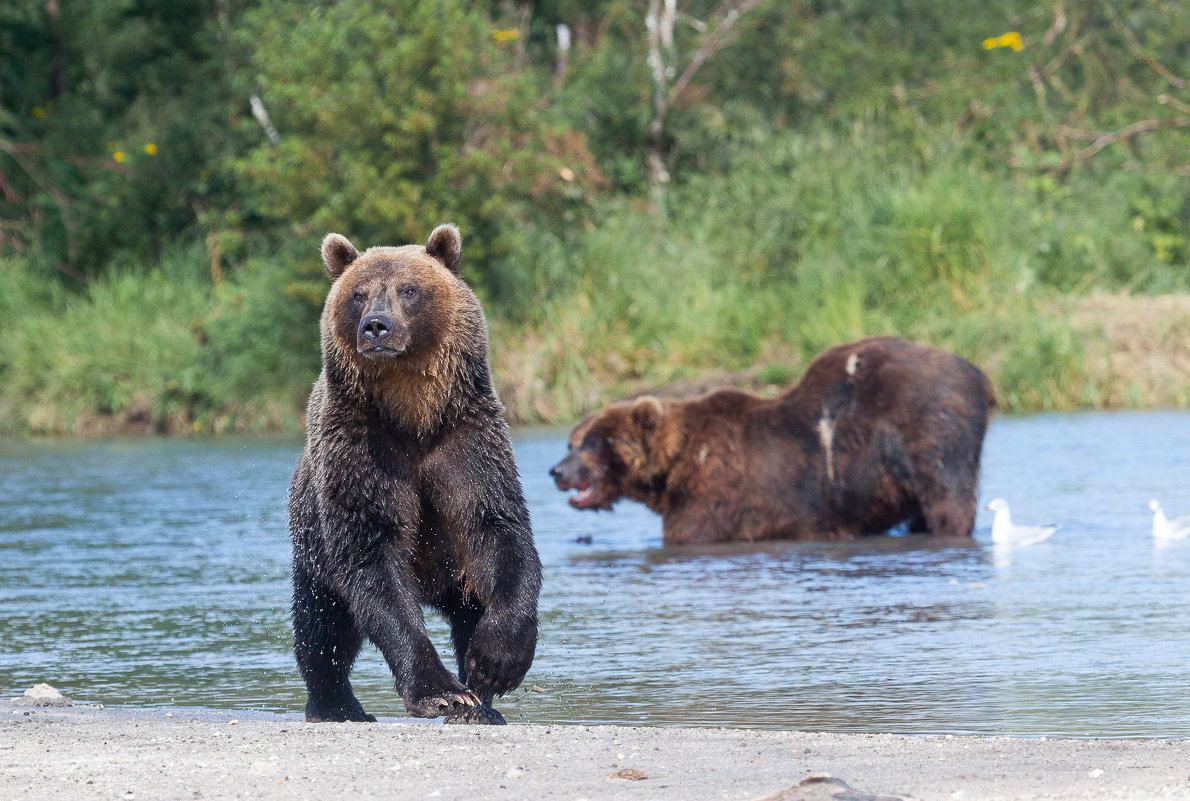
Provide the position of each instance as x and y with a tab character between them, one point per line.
129	353
808	243
804	241
120	350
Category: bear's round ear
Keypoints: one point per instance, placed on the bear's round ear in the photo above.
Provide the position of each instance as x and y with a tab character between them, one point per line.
646	413
337	254
446	245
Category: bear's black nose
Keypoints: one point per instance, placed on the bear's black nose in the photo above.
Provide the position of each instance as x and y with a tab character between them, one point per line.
376	328
555	472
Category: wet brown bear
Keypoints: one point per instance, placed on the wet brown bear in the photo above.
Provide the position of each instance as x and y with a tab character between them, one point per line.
407	493
877	433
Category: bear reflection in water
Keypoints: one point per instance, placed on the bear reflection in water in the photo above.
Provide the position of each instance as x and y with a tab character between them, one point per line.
878	433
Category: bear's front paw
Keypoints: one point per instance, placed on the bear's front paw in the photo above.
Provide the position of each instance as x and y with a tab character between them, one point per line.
483	715
496	662
451	700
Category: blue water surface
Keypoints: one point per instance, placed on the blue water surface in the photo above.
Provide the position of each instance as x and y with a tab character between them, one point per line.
155	572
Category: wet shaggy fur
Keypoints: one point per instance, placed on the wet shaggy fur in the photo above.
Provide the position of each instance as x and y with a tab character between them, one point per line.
877	433
407	493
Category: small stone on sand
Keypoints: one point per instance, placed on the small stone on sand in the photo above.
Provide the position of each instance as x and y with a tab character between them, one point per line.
826	788
42	695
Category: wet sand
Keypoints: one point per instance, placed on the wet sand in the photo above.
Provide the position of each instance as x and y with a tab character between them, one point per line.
85	752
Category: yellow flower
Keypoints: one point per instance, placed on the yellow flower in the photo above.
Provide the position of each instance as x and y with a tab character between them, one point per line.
1011	39
118	156
38	112
151	149
506	36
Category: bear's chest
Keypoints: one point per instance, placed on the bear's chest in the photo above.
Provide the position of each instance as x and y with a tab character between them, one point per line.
392	473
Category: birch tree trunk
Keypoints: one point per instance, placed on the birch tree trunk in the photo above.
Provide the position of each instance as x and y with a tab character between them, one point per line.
662	58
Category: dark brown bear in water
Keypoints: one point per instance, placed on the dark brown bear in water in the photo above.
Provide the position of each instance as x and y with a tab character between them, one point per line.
878	433
407	493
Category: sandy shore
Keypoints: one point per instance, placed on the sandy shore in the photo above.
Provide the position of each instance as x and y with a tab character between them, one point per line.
88	752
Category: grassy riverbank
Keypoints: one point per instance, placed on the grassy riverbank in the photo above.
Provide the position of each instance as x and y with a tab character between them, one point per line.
815	240
1059	294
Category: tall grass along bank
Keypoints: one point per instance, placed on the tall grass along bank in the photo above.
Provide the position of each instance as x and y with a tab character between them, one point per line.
1060	293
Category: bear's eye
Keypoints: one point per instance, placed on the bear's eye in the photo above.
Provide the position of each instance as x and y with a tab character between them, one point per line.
590	443
357	295
410	292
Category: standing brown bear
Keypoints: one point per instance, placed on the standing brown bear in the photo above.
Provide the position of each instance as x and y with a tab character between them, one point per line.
878	433
407	493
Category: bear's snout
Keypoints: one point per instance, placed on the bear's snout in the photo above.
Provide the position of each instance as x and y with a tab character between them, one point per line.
572	474
558	472
376	328
379	335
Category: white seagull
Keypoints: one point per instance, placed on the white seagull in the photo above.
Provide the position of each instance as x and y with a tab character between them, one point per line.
1166	529
1004	532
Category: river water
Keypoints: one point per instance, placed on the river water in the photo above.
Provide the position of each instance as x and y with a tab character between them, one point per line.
154	572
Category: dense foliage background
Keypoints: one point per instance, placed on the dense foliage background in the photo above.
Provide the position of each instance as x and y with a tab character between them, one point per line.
725	189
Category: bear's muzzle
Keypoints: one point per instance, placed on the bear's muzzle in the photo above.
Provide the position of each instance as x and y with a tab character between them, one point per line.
380	336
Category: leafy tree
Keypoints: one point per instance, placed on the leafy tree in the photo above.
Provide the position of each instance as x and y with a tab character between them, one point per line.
395	115
113	114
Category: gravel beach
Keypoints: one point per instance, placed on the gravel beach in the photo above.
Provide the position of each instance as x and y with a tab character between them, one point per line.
85	752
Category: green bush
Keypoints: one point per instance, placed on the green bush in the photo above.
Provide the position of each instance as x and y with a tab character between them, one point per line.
396	115
260	346
120	350
110	157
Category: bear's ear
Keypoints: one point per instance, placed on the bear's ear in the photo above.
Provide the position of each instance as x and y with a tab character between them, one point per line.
646	413
446	245
337	254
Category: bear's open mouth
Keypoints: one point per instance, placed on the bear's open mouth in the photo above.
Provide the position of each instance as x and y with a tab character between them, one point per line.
584	498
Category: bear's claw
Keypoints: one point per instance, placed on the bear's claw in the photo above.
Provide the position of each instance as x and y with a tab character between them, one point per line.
434	706
483	714
468	699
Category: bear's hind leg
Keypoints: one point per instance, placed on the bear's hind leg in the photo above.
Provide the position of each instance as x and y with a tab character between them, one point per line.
326	643
949	518
948	507
943	476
